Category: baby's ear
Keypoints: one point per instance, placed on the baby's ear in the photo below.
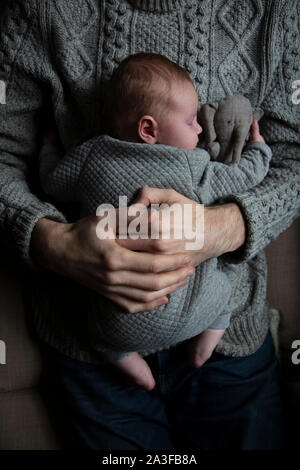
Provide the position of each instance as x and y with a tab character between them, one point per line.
148	129
257	113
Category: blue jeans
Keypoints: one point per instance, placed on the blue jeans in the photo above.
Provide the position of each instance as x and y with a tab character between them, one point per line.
228	403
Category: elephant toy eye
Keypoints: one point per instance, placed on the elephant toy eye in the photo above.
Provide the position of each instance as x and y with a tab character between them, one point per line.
228	122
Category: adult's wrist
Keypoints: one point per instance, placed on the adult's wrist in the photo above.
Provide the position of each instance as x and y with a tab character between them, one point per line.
47	243
224	228
237	224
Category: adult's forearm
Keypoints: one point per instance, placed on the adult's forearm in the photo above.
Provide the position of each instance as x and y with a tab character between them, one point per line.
47	244
20	209
224	228
224	232
21	47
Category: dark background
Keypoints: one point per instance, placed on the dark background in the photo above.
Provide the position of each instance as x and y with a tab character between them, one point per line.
2	5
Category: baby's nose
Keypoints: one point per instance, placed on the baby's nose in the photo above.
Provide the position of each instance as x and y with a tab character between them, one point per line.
199	128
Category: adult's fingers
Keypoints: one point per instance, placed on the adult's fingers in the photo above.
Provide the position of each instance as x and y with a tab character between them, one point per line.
170	246
142	295
129	260
132	306
148	195
148	281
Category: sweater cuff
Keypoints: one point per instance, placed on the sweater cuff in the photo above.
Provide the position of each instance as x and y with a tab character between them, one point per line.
262	146
25	222
254	229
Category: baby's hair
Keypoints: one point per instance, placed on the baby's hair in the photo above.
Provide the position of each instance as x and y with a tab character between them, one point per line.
140	85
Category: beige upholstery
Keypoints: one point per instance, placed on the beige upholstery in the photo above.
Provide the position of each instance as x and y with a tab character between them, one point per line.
284	281
24	418
284	292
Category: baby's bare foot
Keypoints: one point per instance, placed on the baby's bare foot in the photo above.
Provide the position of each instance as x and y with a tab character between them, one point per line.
201	347
137	371
197	355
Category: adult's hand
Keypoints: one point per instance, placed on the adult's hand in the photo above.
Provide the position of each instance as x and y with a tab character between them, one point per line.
224	227
135	281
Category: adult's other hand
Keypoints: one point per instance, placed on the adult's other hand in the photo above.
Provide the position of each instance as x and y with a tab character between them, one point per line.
135	281
224	227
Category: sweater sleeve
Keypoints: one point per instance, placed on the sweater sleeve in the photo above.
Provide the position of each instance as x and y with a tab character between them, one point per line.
21	70
272	206
220	180
59	174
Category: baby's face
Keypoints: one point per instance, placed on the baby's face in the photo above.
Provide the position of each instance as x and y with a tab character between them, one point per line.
180	127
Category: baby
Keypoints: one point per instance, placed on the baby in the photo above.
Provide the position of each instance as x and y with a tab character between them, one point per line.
152	131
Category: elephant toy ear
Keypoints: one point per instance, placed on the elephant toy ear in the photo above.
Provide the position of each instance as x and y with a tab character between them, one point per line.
206	118
257	113
214	105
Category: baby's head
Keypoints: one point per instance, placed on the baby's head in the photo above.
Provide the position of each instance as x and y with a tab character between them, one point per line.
153	100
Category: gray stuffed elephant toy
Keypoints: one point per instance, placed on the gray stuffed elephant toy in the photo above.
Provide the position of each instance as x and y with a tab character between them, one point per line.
226	126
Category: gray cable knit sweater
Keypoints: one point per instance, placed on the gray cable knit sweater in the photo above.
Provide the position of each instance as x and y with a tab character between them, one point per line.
103	169
55	56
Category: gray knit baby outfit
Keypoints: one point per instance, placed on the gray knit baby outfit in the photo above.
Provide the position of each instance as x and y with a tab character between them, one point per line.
55	56
103	169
